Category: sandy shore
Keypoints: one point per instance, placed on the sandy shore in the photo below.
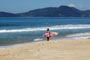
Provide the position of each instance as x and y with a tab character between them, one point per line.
52	50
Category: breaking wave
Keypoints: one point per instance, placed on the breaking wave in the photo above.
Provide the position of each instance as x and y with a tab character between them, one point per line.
85	35
57	27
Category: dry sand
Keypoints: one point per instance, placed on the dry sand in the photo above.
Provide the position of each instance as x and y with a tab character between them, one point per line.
52	50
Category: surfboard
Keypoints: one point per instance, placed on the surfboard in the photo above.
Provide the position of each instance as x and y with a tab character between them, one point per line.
54	33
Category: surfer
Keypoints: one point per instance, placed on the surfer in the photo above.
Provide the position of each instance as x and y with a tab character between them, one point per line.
48	34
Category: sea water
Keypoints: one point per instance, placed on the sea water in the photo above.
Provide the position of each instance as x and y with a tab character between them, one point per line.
20	30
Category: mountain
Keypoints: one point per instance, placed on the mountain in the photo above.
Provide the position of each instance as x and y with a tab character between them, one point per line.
62	11
6	14
45	12
66	11
86	13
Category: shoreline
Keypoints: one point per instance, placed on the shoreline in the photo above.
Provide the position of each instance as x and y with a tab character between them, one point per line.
34	42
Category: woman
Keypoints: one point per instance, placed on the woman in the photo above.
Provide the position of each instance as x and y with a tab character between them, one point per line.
48	34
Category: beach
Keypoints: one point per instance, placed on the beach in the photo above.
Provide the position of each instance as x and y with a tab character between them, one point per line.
52	50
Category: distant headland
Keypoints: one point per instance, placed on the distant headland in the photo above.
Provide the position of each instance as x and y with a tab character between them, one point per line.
62	11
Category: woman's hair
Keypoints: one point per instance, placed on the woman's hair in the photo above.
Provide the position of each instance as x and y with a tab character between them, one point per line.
47	29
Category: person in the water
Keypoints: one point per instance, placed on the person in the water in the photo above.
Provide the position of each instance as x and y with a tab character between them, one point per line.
48	34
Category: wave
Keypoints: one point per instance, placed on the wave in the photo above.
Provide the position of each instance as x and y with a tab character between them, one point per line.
57	27
85	35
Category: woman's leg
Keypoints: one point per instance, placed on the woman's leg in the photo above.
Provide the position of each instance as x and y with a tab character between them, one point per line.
47	38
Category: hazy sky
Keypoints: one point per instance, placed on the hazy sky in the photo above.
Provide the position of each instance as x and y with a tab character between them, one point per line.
18	6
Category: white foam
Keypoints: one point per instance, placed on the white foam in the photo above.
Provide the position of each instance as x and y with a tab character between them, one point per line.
79	35
57	27
38	39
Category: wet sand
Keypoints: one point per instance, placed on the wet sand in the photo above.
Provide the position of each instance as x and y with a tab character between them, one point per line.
52	50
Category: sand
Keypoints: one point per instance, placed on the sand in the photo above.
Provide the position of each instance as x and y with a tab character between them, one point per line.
52	50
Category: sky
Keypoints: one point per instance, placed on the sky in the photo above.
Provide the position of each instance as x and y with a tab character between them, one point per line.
19	6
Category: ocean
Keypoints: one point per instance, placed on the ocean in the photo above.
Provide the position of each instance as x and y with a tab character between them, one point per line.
14	30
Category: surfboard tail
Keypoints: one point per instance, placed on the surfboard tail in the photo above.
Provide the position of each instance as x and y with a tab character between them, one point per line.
54	33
